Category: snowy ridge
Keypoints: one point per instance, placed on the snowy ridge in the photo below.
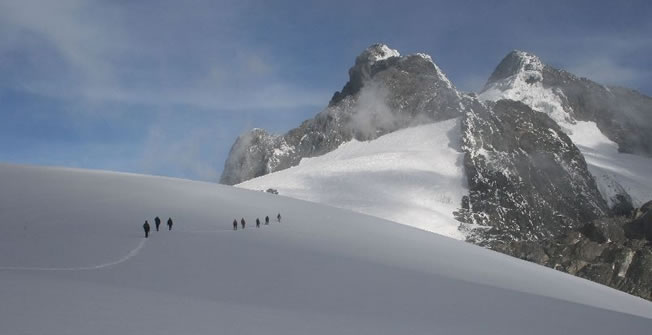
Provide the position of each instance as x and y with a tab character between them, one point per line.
412	176
526	85
440	73
612	170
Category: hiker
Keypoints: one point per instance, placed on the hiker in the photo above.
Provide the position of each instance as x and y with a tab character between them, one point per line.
242	223
157	222
169	223
257	223
146	228
278	217
235	224
267	220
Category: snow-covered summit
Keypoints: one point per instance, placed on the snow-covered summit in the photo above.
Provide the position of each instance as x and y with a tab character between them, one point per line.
519	64
378	52
519	77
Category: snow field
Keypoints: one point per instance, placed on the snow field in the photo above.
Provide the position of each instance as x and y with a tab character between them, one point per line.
412	176
321	271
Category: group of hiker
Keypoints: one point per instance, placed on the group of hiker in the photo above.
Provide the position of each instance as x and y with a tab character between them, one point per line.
243	222
157	223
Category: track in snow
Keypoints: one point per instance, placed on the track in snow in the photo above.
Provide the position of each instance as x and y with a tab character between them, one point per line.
131	254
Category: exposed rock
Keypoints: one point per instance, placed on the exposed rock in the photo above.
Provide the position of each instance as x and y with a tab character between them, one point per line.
599	251
643	209
605	230
641	226
527	179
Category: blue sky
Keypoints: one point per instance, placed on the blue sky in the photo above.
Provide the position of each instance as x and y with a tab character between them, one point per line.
164	87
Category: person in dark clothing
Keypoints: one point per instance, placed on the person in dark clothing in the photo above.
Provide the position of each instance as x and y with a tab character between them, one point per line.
157	222
257	223
169	223
278	217
242	223
235	224
146	228
267	220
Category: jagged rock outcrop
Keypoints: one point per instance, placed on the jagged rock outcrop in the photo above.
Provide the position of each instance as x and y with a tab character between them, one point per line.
612	251
641	226
527	179
385	92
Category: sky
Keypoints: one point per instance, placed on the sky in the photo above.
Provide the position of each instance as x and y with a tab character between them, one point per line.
164	87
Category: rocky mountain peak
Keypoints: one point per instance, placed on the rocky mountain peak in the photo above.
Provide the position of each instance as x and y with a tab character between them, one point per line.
622	115
377	52
517	63
385	92
379	58
373	59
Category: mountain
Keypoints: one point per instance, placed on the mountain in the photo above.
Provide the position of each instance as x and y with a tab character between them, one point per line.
624	116
538	156
74	261
415	91
385	92
611	126
612	129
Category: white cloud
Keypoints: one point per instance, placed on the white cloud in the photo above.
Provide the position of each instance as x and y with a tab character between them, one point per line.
166	151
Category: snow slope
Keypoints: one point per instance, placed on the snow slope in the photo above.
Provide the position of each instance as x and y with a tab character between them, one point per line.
613	171
73	261
412	176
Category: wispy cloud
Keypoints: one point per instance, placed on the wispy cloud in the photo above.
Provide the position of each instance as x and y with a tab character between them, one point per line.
607	59
152	55
190	155
607	71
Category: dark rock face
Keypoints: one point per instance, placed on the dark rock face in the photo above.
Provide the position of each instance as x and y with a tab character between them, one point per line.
385	92
604	251
623	115
527	179
641	226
